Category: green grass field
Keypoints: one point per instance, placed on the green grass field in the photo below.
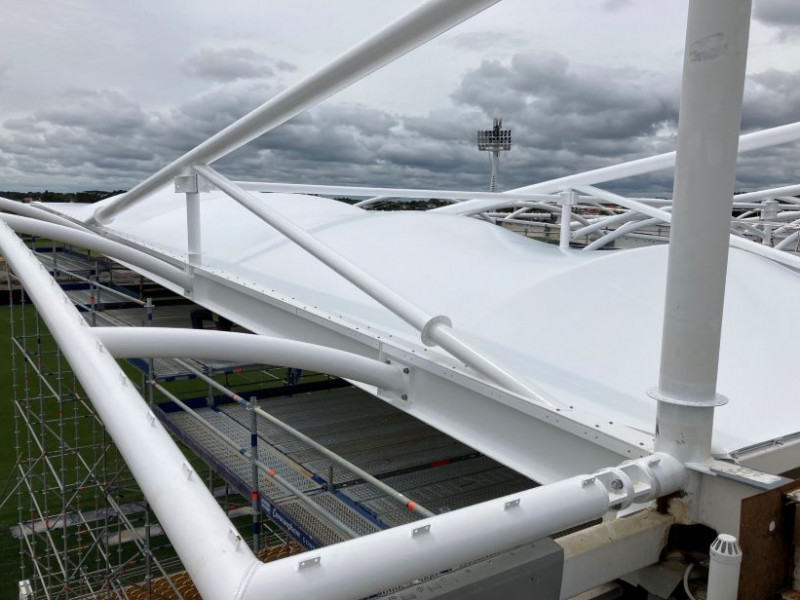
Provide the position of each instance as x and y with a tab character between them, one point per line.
83	429
9	547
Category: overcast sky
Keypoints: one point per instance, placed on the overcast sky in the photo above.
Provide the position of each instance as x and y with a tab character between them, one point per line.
98	94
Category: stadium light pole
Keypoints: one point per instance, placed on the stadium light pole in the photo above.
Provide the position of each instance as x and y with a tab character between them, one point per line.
494	141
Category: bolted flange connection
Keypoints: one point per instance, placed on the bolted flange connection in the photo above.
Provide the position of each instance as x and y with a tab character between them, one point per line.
641	480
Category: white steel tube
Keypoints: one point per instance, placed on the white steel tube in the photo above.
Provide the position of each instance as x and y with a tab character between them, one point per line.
708	133
390	43
35	212
783	216
388	298
607	222
775	136
169	342
620	232
434	329
787	241
629	203
747	228
92	241
788	227
359	568
735	241
788	190
747	142
396	556
203	536
342	462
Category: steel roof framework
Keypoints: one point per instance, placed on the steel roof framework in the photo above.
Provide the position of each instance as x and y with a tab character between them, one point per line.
463	389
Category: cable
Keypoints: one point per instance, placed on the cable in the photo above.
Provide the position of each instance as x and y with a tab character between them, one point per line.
686	581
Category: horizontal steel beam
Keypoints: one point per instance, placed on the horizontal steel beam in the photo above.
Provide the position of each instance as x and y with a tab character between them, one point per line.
362	567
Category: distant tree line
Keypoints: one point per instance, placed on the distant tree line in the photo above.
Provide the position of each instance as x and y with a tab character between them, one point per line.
87	196
398	204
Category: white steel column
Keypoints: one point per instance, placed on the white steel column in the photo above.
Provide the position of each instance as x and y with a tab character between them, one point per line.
769	213
708	135
567	199
193	227
495	158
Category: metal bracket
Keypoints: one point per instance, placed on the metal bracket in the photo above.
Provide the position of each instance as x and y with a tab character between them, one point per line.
512	504
192	184
425	334
309	562
656	394
394	395
744	475
421	531
568	197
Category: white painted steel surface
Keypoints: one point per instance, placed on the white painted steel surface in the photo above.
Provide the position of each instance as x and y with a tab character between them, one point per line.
169	342
217	559
368	565
711	109
583	327
435	328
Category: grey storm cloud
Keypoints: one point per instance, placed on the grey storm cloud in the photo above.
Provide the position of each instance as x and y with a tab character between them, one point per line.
477	41
772	98
565	118
777	12
613	5
228	64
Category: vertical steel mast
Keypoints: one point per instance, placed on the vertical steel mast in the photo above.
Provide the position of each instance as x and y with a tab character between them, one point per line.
708	136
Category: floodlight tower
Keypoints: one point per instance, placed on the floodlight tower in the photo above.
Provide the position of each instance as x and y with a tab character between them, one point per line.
494	140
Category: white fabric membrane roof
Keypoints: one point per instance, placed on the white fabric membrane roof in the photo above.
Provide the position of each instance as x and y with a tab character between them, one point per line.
583	326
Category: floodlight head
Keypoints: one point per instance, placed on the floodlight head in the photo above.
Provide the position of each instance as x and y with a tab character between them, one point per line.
495	139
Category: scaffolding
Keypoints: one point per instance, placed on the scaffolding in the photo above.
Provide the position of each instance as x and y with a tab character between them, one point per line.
298	460
83	526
